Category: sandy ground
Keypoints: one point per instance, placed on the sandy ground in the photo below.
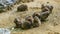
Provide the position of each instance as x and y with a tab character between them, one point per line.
52	26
